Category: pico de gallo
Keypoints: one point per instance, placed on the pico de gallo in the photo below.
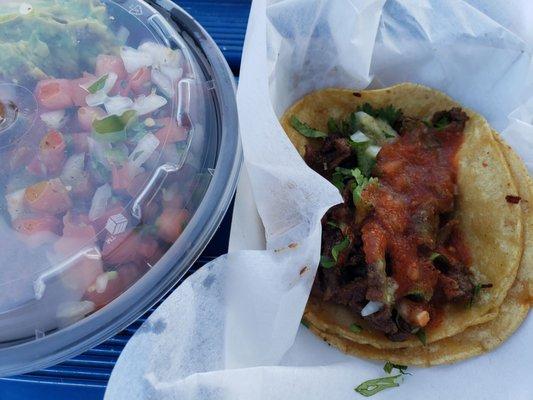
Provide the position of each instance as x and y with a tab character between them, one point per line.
95	144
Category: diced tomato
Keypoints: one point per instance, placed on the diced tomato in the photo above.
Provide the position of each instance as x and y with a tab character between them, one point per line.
140	81
170	132
21	155
113	209
83	269
106	64
122	176
80	143
86	116
149	251
77	233
31	225
37	230
171	223
54	94
77	92
137	184
109	285
36	167
48	196
52	151
121	248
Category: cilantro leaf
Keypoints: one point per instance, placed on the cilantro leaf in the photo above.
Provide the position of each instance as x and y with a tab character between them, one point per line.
339	248
373	386
434	256
476	290
390	114
355	328
333	224
361	182
333	126
441	123
326	262
98	85
305	129
421	335
388	367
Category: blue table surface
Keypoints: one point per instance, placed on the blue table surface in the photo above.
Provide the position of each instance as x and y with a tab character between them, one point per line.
85	377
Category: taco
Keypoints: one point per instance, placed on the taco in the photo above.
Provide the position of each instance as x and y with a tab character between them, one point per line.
423	254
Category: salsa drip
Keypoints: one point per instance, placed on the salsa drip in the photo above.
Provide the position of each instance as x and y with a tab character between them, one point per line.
396	243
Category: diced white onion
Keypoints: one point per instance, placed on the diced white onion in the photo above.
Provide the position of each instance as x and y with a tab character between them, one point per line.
144	149
99	203
15	203
135	59
98	151
161	55
96	99
359	137
73	170
163	82
373	151
371	308
100	284
73	311
54	119
147	104
117	105
122	34
171	72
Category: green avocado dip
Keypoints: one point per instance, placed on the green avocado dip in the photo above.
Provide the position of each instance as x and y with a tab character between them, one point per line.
52	38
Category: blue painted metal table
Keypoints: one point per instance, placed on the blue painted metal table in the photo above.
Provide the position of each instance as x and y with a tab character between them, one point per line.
85	377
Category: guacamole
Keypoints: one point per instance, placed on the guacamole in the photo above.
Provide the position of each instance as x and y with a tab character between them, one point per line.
52	38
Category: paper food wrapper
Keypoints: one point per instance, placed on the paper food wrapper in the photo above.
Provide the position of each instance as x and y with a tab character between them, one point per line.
232	330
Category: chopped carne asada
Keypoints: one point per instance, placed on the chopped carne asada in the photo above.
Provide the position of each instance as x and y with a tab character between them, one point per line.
394	242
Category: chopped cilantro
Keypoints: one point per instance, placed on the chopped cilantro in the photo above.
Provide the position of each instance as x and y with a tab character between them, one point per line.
476	290
441	123
388	367
421	335
355	328
333	224
434	256
326	262
98	85
373	386
333	126
389	113
340	247
305	129
361	182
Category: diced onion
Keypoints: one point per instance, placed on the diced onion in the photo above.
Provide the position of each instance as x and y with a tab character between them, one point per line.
161	55
371	308
98	151
96	99
122	34
144	149
54	119
15	203
359	137
117	105
73	170
73	311
373	151
147	104
171	72
163	82
135	59
99	203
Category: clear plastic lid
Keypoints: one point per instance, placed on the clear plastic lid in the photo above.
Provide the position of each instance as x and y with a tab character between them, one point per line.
104	153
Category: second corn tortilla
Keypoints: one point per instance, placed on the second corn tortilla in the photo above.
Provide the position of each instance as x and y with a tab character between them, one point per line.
492	227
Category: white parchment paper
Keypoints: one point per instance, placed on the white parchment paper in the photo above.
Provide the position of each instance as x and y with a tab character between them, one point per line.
231	331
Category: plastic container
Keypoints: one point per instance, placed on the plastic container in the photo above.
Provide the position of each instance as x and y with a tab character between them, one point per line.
119	143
